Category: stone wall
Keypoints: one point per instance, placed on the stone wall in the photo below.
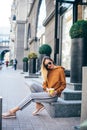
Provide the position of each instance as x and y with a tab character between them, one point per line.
84	96
32	19
21	15
48	23
22	10
49	35
49	6
20	43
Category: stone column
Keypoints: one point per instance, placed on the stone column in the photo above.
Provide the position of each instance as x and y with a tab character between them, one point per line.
20	43
84	96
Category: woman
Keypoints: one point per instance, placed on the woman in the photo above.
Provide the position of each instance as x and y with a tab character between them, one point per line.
53	77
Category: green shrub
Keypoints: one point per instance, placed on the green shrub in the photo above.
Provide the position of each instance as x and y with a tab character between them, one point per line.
25	59
32	55
45	49
78	29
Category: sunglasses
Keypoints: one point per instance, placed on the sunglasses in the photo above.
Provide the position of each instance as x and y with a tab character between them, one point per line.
46	65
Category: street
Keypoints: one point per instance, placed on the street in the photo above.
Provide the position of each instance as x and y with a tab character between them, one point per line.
13	89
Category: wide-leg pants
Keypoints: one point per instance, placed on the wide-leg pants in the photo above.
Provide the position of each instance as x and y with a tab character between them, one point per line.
37	95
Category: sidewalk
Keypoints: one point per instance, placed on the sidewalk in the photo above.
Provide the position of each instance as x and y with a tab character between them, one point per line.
13	89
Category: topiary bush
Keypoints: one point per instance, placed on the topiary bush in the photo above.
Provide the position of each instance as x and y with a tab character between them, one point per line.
78	29
25	59
45	49
32	55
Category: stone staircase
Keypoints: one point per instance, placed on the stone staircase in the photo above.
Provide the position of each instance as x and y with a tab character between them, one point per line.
68	105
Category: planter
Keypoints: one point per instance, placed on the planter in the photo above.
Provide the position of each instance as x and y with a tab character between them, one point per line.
25	66
78	59
41	56
32	66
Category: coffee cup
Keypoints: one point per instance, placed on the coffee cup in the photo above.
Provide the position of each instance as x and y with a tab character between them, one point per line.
51	90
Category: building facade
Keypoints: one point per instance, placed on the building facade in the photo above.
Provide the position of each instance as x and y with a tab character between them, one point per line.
32	28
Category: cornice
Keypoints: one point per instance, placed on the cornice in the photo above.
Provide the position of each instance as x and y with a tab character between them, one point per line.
20	21
31	8
48	18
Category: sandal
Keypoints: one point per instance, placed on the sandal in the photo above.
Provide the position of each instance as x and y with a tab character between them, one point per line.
8	115
36	112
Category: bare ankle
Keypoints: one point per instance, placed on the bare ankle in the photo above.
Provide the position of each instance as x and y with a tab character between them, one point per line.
14	110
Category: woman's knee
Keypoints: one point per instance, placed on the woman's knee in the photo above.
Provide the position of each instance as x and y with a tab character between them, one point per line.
32	87
35	87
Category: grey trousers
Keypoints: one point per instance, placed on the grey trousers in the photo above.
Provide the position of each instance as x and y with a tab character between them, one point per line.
37	95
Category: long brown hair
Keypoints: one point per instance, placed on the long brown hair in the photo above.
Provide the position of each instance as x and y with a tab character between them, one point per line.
44	71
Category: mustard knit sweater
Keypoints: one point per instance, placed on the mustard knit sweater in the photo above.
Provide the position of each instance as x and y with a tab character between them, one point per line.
55	79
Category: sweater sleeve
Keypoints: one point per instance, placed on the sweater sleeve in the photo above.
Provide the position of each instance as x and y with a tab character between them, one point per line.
62	81
45	85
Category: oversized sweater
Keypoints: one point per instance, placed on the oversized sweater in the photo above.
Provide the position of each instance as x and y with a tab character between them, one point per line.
55	79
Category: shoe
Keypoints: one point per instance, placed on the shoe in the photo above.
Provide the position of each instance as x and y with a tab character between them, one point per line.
76	127
36	112
8	115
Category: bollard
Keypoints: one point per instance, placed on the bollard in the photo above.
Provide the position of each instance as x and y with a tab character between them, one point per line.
0	113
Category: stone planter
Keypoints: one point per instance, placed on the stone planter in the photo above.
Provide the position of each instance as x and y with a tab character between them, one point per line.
32	66
40	60
78	59
25	66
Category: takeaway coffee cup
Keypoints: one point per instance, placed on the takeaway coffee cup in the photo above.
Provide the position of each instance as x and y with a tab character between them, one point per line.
51	90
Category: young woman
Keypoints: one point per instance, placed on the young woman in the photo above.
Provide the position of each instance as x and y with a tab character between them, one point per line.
53	77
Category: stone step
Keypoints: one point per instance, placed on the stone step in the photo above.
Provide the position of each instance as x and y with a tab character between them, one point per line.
63	108
69	94
75	86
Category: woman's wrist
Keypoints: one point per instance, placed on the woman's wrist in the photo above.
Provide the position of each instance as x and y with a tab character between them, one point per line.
55	92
